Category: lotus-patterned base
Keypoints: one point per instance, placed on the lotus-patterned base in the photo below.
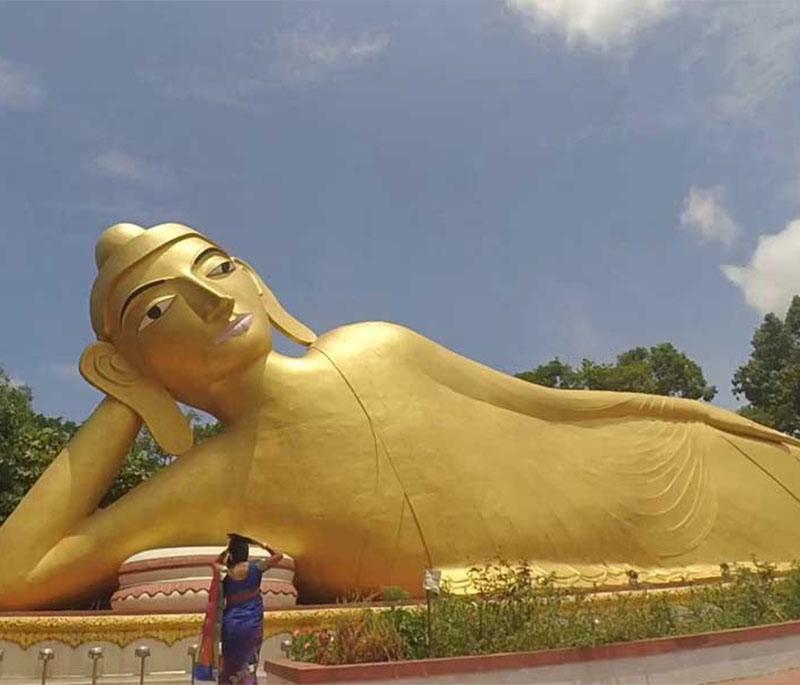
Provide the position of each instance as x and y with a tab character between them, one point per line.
177	579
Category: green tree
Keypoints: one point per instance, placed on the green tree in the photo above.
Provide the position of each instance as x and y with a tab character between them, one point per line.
29	442
554	374
770	379
658	370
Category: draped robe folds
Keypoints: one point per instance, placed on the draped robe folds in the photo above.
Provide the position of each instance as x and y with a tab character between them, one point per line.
587	485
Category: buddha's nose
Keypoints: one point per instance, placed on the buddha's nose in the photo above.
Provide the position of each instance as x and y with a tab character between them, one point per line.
210	304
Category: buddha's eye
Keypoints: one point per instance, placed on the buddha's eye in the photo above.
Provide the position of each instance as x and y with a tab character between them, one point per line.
222	269
155	312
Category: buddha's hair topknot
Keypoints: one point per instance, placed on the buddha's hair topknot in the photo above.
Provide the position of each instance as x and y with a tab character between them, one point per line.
113	238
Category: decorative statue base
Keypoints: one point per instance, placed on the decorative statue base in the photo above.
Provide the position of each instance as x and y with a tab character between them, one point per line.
178	579
377	454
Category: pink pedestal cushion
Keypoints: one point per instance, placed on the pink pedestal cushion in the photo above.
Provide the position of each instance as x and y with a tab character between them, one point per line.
177	579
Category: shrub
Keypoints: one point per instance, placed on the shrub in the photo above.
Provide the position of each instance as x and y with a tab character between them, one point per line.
394	594
364	637
513	610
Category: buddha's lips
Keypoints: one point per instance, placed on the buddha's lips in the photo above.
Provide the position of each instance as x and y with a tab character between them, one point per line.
239	326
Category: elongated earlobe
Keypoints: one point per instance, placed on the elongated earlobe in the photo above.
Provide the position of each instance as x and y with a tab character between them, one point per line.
106	369
281	319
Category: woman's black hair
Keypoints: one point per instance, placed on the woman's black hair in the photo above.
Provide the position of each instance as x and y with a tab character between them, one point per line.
239	548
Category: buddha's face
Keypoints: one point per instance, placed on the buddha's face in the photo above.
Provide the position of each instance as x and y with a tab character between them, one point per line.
188	316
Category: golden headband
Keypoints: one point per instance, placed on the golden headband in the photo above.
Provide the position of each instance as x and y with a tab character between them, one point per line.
120	247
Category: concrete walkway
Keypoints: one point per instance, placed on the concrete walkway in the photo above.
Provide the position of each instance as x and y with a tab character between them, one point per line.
790	677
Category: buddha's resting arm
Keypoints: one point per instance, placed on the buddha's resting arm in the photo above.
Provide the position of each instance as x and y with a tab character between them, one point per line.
368	345
472	379
67	493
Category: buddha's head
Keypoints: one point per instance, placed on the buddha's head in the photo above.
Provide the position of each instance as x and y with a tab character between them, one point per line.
175	314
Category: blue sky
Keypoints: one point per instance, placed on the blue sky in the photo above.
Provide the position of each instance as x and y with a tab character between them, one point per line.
515	180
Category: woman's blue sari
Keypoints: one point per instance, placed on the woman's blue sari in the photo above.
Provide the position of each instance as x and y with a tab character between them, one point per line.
242	627
241	631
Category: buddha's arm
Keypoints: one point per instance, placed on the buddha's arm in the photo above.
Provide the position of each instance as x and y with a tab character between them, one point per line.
472	379
185	503
67	493
396	351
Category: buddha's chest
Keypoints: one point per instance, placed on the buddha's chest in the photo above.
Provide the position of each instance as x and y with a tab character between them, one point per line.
325	463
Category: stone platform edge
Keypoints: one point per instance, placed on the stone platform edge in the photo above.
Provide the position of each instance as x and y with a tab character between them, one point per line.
75	628
301	672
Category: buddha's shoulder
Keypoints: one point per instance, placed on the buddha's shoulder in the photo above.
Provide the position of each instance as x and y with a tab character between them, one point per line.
372	338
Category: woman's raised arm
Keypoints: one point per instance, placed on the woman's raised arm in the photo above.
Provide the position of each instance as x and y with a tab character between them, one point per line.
273	560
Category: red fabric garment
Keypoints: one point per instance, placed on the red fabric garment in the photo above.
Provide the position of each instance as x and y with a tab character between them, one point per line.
208	658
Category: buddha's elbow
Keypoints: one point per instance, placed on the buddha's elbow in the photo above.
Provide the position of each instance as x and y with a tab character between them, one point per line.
19	589
16	591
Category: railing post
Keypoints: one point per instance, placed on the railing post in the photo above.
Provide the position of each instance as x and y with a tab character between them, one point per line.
192	652
45	655
142	651
95	654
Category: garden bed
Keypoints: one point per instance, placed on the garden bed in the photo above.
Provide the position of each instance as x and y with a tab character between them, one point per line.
520	628
514	611
684	660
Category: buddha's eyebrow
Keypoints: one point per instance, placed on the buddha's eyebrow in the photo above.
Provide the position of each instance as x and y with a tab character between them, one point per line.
138	291
207	253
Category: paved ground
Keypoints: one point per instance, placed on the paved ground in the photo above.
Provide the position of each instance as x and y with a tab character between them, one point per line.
791	677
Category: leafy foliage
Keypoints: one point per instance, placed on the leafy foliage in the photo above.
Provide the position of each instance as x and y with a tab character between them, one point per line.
658	370
513	610
770	380
29	442
392	593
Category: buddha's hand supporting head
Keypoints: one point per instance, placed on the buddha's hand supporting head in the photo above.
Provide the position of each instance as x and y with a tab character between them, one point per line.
174	315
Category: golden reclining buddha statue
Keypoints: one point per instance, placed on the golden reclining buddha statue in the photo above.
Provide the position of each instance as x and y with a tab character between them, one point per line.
375	455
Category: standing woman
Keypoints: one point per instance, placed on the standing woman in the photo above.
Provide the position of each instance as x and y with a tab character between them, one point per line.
235	602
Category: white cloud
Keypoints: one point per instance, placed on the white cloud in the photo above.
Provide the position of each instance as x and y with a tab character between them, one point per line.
19	86
121	165
602	24
313	53
115	163
772	277
738	59
308	54
211	84
64	372
757	45
704	215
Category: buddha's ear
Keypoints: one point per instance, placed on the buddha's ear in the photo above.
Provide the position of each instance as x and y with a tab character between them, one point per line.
106	369
283	321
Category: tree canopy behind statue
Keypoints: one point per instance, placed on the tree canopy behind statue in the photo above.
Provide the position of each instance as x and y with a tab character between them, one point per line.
658	370
770	380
